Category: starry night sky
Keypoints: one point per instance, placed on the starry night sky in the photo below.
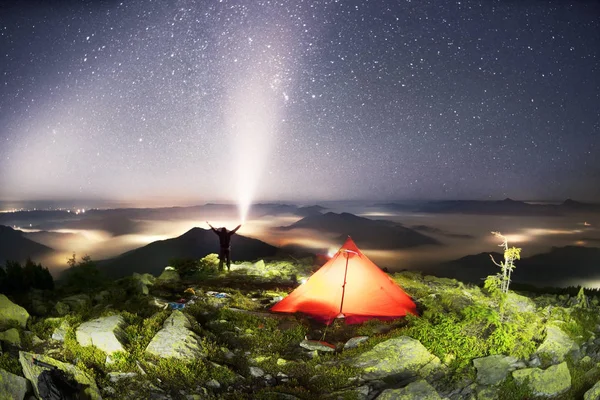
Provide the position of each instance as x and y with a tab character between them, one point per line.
179	101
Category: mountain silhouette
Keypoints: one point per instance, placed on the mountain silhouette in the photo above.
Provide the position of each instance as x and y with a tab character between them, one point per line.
14	246
374	234
195	243
558	267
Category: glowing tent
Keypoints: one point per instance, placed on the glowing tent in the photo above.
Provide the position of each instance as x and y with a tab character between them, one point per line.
348	286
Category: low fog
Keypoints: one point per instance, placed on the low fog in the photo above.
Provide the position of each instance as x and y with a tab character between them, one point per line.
103	234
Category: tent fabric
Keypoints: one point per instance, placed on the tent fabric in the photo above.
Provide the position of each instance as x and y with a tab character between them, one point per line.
368	292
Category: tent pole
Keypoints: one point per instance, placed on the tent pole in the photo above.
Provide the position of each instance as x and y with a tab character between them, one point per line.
344	285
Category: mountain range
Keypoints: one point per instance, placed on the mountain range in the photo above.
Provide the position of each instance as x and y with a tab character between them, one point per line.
373	234
14	246
499	207
553	268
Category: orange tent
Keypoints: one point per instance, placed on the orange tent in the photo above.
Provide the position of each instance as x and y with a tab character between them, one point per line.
348	286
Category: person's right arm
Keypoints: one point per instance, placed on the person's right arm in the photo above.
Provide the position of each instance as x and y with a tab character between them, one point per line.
211	227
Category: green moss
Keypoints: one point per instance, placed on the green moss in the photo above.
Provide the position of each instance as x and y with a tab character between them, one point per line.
580	324
10	364
512	390
43	328
175	374
584	375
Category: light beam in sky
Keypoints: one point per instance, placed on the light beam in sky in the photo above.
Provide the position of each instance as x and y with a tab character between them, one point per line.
255	108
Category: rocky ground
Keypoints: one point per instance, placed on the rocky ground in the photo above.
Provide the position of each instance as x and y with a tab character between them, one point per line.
128	341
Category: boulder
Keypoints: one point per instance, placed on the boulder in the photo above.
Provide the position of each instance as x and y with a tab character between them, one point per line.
493	370
317	345
398	357
142	281
175	339
256	372
60	331
38	302
551	382
102	296
12	387
355	342
146	279
169	274
593	393
557	344
519	303
418	390
11	337
77	302
11	313
31	372
106	333
61	308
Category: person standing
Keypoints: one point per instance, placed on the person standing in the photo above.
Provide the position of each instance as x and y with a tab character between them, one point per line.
225	244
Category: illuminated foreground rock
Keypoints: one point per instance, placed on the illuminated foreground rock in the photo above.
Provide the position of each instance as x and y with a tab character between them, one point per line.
11	313
12	386
105	333
550	382
419	390
398	357
175	339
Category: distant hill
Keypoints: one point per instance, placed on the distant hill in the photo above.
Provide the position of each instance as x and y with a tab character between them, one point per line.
368	233
309	210
436	231
554	268
14	246
500	207
196	243
112	223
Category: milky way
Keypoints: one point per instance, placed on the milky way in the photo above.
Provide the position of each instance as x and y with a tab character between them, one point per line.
376	100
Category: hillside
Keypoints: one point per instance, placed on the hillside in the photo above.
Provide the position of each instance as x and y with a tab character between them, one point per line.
373	234
195	244
547	269
14	246
126	340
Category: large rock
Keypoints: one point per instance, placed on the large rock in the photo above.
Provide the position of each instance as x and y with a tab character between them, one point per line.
169	274
32	372
551	382
105	333
60	331
11	337
317	345
77	302
142	281
557	344
61	308
146	279
419	390
593	393
12	387
519	303
398	357
354	342
38	301
11	313
175	339
493	370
